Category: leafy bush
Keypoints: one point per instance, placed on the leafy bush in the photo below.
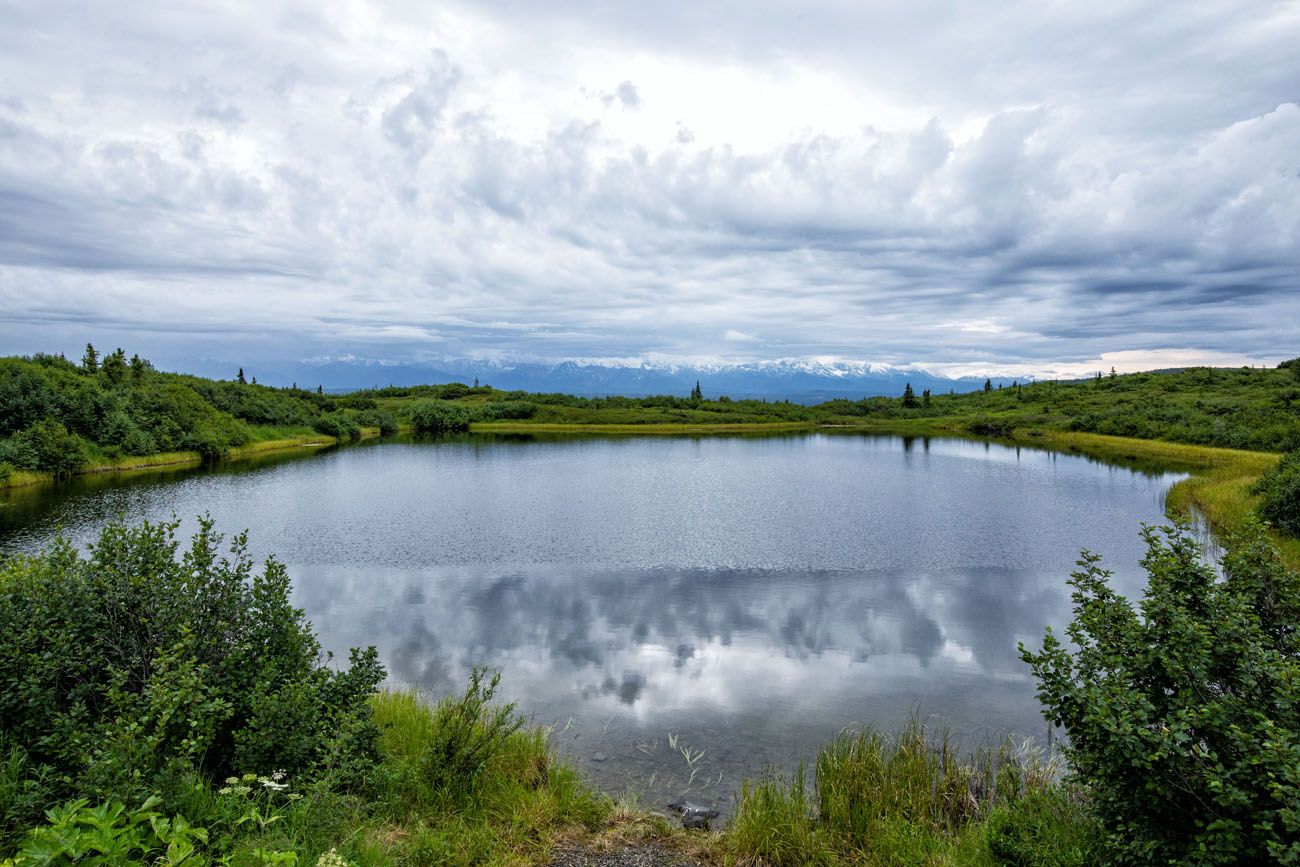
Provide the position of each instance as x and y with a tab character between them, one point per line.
339	426
1279	493
24	794
46	445
109	834
508	409
439	416
1184	715
385	421
119	669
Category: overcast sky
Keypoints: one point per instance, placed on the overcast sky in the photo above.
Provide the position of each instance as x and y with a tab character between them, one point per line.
969	186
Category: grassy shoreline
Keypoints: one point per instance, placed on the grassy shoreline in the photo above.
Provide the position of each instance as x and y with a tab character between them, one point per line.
181	460
1217	490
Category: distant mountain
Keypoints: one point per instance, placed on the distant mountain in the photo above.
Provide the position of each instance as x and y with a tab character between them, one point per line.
786	379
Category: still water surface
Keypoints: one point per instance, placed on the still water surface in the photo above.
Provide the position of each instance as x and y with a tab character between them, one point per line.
654	597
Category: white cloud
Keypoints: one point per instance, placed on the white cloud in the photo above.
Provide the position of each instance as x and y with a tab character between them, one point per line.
975	190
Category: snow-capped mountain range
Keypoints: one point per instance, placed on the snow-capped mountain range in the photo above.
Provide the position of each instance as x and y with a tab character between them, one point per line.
801	380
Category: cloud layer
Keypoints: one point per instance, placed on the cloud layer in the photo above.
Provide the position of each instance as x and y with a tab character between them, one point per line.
1031	187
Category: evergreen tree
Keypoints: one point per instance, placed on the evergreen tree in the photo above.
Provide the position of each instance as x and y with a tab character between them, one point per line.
925	398
90	361
696	393
320	389
909	397
240	378
114	366
988	385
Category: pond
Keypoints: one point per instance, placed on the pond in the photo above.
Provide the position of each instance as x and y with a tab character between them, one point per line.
683	611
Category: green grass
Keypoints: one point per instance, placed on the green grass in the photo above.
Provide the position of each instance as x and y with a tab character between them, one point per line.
514	811
648	428
910	799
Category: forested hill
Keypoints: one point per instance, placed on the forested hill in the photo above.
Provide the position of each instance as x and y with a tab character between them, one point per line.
57	416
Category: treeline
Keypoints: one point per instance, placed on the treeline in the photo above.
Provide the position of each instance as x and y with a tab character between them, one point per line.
1241	408
57	416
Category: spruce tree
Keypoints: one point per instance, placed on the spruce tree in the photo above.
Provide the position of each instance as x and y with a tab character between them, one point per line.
909	397
988	385
240	379
90	361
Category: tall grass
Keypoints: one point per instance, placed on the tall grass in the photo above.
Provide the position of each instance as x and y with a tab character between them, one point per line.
513	804
910	799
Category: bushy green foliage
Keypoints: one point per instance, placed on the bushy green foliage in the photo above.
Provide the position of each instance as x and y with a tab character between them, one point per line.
440	416
25	792
1242	408
1279	494
467	733
1183	714
46	445
56	416
132	664
382	419
112	836
1045	828
339	426
497	410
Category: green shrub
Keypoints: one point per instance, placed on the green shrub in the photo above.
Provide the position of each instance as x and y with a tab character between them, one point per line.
1045	828
508	409
382	419
1279	494
339	426
46	445
119	668
467	733
439	416
1183	715
109	834
24	793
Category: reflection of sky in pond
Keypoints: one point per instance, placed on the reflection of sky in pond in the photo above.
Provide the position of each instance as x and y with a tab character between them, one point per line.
747	596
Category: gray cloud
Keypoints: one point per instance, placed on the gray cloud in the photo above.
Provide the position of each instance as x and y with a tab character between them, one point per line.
1028	185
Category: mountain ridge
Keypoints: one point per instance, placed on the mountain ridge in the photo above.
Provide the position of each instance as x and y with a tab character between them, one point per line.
800	380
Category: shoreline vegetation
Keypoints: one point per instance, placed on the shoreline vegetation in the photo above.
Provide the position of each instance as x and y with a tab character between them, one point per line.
168	705
161	705
1225	427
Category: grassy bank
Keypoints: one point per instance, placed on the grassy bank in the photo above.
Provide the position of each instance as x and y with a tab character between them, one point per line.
869	798
640	429
181	460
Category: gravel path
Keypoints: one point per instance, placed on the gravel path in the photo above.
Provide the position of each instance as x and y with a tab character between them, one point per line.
648	855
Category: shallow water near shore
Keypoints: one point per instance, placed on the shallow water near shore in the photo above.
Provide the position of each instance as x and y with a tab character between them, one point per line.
683	611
